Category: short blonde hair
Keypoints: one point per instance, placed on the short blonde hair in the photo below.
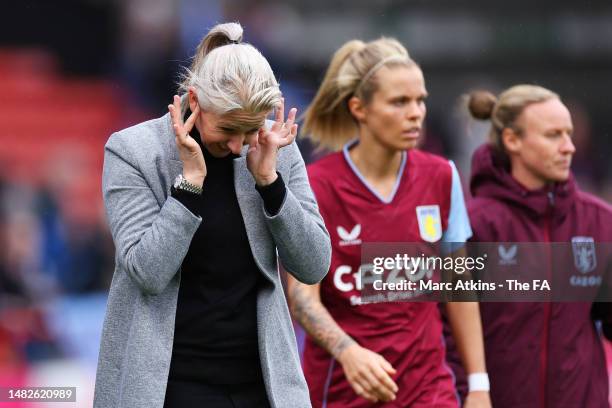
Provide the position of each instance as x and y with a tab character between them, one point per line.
229	75
351	72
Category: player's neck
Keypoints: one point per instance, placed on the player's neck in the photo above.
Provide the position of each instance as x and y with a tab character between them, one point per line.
375	161
527	178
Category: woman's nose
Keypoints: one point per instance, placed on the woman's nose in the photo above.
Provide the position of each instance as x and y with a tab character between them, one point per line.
413	111
235	144
568	145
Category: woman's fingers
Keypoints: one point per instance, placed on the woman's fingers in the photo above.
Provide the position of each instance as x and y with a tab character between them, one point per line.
374	379
290	118
263	137
282	133
360	390
191	119
387	366
292	134
176	111
289	137
256	138
181	130
279	115
172	111
285	127
376	386
177	121
385	380
177	133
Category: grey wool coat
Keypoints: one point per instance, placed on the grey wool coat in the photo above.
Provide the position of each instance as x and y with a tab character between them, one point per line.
152	232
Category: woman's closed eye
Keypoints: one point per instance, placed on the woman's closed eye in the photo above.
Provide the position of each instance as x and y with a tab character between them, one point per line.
234	131
559	133
228	130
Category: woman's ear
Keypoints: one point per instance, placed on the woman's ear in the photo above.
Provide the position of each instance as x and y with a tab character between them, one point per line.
511	141
193	98
357	108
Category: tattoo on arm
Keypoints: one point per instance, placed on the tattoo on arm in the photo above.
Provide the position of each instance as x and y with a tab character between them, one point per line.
317	321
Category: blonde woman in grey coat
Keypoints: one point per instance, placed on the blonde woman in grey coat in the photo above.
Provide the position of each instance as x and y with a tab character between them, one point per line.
202	204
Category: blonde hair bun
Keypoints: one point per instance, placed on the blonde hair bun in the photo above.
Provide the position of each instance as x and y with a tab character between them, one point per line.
481	104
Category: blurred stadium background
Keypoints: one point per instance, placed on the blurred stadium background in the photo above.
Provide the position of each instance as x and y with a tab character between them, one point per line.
72	72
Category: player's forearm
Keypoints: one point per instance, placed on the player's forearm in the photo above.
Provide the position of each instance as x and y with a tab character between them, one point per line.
464	318
316	320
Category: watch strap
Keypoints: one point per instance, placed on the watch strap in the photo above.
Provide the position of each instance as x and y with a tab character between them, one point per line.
185	185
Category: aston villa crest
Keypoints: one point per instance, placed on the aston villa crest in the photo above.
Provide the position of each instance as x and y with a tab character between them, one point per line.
430	224
584	254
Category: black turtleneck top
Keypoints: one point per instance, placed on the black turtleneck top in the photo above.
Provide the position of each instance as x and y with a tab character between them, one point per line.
215	338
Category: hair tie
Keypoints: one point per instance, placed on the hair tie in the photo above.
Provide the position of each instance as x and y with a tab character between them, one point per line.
234	42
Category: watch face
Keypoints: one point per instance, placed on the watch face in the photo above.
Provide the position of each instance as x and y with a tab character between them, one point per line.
177	181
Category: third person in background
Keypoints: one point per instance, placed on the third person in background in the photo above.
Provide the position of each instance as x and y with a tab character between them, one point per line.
544	354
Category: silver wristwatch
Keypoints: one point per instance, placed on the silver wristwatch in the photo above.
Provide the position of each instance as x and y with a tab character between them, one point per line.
180	183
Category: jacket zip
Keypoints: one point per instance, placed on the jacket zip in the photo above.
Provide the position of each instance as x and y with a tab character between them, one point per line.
547	308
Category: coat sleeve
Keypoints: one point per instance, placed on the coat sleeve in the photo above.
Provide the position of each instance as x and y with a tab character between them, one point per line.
150	241
298	230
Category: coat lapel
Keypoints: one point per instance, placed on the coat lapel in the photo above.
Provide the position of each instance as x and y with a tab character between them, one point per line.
251	207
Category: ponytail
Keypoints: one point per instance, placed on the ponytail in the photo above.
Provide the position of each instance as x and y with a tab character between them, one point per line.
328	121
218	36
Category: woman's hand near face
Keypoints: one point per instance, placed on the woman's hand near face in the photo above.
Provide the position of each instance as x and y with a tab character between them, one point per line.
263	149
194	166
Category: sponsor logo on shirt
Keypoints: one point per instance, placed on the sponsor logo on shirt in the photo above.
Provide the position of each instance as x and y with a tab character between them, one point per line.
353	281
430	225
346	280
507	256
349	238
